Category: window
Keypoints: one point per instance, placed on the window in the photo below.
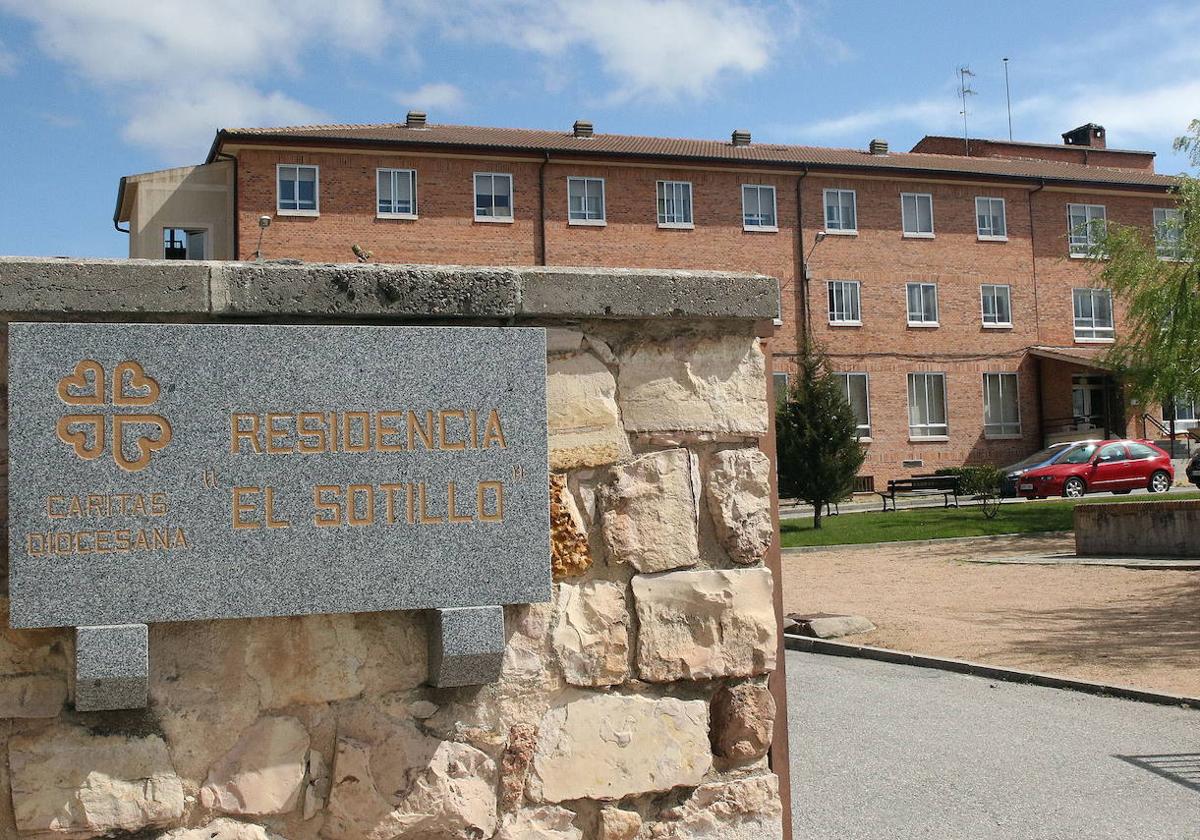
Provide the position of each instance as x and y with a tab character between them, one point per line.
493	197
674	204
844	303
916	211
1186	413
922	305
927	405
1085	226
1093	315
298	190
841	214
857	393
396	193
1001	405
997	309
185	244
1168	223
780	381
1140	452
758	207
1112	452
585	201
990	221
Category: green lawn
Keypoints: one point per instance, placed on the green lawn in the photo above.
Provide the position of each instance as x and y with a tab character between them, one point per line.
934	523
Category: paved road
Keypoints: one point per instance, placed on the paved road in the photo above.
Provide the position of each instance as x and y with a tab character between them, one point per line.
893	752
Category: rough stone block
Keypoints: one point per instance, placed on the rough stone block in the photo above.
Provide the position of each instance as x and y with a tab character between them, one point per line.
583	421
547	822
743	721
30	285
821	626
591	633
112	667
569	553
264	773
650	512
618	824
608	746
466	646
32	695
222	829
739	500
743	809
694	383
705	624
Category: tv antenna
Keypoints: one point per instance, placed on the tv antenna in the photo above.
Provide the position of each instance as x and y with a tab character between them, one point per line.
1008	97
965	90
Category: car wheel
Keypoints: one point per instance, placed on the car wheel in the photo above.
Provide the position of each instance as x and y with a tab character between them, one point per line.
1073	488
1160	482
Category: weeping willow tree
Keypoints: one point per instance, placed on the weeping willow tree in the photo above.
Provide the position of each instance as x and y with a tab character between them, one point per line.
1157	278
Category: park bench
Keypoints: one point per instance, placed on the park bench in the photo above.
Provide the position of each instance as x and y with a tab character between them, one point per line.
922	485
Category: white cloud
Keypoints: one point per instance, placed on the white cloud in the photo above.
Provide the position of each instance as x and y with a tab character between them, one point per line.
931	113
8	61
435	96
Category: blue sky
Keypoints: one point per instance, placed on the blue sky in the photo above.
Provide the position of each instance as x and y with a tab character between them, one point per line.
91	91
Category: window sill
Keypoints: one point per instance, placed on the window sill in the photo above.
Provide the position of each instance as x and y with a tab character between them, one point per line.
866	439
1088	257
983	238
587	222
777	322
312	213
924	325
494	220
676	226
760	228
846	232
928	438
408	217
845	323
908	235
1079	340
997	326
990	436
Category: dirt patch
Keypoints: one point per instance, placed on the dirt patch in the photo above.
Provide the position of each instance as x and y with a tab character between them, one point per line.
1123	626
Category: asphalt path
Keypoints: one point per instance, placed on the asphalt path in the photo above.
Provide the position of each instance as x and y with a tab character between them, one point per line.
891	752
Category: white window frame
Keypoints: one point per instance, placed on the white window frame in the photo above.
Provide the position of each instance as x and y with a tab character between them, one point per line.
842	229
602	220
855	308
944	426
393	172
493	219
771	228
908	304
983	296
989	234
780	394
1002	430
863	429
316	210
1184	423
664	222
1080	243
916	234
1087	334
1173	217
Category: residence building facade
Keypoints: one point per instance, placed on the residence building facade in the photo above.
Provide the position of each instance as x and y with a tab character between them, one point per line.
949	286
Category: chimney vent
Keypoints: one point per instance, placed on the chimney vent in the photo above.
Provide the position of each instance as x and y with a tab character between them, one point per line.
879	147
741	137
416	119
1088	134
582	128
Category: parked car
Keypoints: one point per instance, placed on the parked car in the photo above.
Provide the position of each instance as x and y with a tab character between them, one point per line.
1013	472
1118	466
1192	470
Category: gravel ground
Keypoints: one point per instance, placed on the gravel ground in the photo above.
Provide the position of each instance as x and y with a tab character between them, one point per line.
1122	626
892	752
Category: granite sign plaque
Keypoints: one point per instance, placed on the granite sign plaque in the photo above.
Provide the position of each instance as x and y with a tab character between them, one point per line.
170	472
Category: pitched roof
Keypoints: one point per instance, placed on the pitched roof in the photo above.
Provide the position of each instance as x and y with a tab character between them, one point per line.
537	141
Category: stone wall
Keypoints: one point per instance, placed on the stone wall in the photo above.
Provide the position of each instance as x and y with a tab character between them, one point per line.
636	704
1138	529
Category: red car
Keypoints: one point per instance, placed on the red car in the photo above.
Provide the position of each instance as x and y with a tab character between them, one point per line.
1093	466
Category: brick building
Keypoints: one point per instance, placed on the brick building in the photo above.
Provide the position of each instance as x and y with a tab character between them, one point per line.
948	284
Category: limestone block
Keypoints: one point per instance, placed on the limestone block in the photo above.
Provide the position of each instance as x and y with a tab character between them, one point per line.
616	824
650	512
222	829
739	500
67	781
694	383
591	633
515	764
549	822
33	668
569	554
743	721
263	773
316	784
705	624
582	416
392	782
563	341
305	659
745	809
31	695
607	746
